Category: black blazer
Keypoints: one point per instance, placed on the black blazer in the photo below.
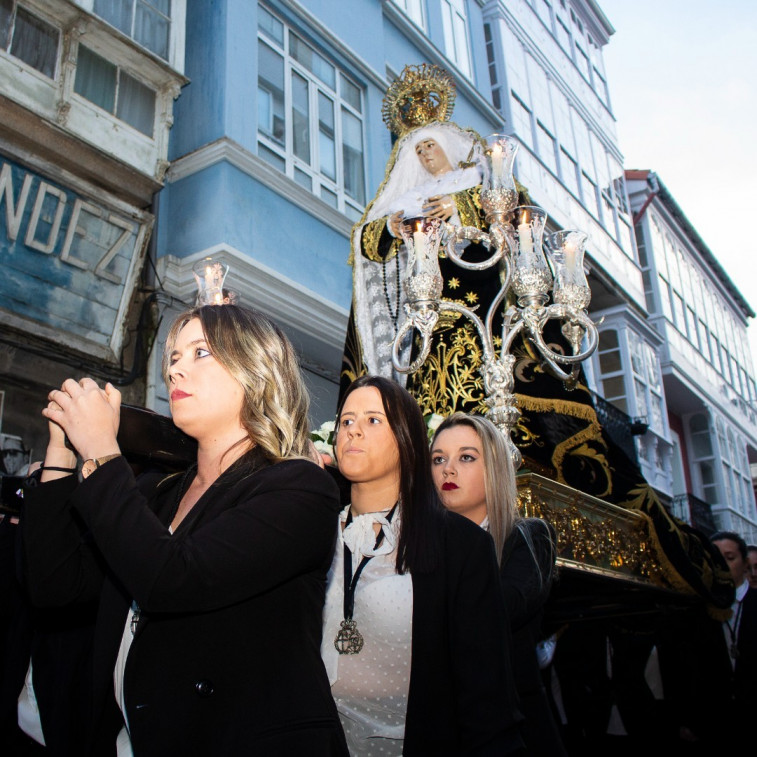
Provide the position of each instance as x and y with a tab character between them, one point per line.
526	570
462	698
226	656
745	673
58	642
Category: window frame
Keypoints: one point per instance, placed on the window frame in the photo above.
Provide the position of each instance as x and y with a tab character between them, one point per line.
119	71
527	139
34	13
410	13
171	17
450	11
321	184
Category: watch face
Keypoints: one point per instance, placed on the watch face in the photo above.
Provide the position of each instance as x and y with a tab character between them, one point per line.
88	467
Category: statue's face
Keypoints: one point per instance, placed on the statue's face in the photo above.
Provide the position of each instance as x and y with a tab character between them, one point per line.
432	157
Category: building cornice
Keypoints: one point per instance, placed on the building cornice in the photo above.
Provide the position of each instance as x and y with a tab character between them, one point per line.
598	18
609	316
290	303
226	150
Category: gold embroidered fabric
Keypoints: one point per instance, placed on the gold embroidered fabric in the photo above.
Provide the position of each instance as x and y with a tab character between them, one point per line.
371	235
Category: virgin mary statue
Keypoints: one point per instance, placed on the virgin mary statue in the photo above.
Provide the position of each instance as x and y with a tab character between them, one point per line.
435	169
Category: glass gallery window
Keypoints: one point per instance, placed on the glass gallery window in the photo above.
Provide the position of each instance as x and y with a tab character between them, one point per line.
491	60
703	458
147	22
414	10
113	90
310	118
455	23
28	38
611	370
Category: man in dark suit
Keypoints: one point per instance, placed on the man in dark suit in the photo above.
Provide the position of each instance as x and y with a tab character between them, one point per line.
740	631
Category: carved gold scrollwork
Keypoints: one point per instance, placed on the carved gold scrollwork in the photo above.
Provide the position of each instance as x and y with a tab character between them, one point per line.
592	535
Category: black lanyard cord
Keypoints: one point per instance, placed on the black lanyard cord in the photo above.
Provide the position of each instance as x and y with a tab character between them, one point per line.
350	581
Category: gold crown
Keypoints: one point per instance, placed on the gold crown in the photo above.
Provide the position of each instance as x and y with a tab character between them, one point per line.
419	95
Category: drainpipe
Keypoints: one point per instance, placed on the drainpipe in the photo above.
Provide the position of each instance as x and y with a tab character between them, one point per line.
654	185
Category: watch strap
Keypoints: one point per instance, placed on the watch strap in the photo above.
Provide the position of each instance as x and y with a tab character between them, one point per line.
93	463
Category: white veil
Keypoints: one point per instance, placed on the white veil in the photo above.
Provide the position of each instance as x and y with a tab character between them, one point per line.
408	178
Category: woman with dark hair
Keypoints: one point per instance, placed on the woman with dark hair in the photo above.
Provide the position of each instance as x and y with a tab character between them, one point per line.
211	583
474	476
415	634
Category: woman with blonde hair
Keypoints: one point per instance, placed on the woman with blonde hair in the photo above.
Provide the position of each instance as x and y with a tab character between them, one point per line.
474	476
211	583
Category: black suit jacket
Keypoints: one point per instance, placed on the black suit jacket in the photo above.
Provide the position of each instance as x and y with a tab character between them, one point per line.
462	698
745	673
526	570
226	656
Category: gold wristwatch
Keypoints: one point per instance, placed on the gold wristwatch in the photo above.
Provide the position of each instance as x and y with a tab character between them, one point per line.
90	466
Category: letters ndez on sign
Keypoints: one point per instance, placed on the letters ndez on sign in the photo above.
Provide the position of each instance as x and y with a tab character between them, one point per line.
69	261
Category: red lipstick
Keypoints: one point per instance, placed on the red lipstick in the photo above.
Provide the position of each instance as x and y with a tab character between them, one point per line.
177	394
448	486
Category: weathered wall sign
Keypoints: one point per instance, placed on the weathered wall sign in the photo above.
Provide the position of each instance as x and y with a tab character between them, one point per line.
69	259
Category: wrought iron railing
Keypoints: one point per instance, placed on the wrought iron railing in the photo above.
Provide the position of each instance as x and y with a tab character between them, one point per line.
696	512
619	426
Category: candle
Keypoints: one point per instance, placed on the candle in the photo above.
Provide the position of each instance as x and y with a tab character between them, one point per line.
419	248
498	161
524	234
213	279
570	249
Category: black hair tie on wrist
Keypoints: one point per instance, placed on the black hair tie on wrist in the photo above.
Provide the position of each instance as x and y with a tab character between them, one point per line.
34	478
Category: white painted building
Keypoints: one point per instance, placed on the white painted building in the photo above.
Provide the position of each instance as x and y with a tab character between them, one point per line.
548	80
707	366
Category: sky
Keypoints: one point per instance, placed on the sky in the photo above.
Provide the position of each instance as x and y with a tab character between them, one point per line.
683	87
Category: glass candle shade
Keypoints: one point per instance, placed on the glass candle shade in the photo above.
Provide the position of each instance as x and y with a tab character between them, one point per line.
230	296
566	253
209	274
421	235
499	193
531	277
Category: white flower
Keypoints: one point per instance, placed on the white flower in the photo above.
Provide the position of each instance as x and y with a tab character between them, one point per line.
434	421
324	432
324	447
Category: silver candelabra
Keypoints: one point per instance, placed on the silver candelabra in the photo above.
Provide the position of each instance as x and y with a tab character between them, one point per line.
515	238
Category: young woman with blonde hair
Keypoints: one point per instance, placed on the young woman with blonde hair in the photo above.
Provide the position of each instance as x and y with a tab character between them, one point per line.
474	476
211	583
